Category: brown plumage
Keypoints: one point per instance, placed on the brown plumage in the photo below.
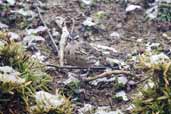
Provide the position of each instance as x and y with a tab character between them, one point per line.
79	54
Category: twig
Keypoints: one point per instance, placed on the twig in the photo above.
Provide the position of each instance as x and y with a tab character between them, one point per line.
76	67
48	31
62	44
108	74
143	80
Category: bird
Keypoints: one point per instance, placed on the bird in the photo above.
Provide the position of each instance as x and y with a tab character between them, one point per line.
80	53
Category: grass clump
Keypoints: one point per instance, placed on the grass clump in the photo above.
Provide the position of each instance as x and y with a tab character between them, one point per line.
21	78
156	97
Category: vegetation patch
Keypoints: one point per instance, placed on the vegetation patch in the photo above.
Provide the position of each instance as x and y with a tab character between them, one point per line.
156	94
21	79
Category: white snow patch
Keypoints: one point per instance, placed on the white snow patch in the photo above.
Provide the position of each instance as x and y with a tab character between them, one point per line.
89	22
149	46
70	79
14	36
122	80
37	30
115	35
86	108
95	82
149	84
24	12
132	8
48	100
9	75
152	12
102	47
123	95
11	2
159	58
139	40
39	56
32	40
109	112
87	2
3	26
